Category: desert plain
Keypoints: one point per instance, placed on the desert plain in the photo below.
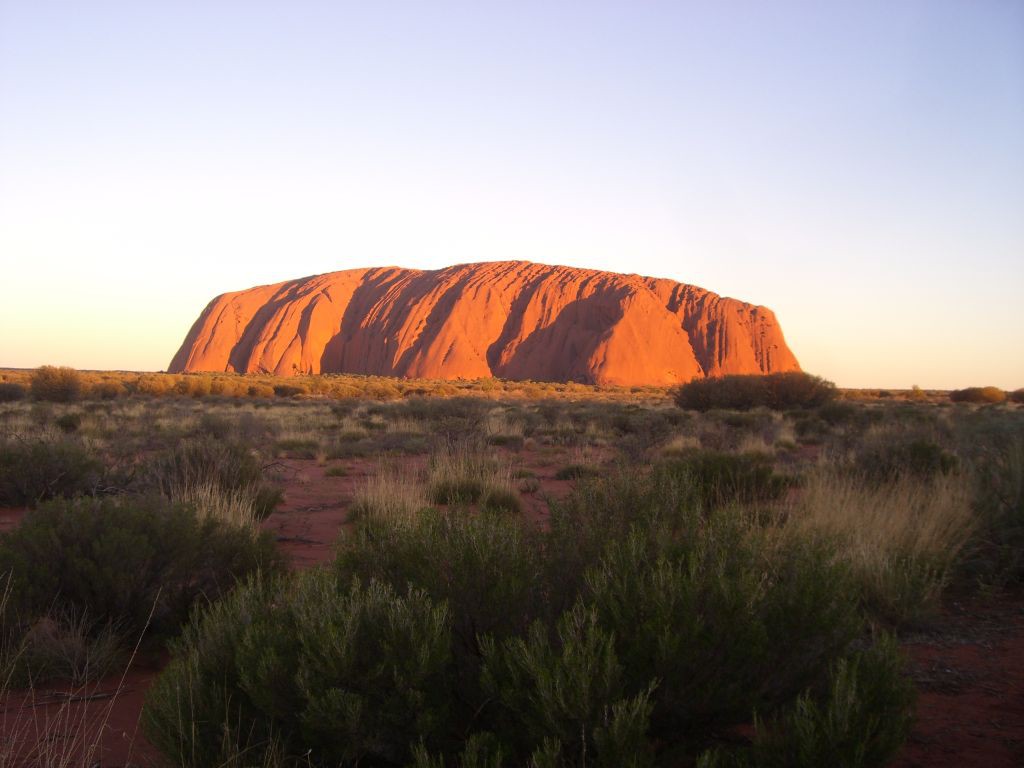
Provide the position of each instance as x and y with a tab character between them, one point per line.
227	569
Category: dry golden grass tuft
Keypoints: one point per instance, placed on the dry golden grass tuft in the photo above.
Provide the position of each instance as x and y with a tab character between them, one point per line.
235	506
464	472
680	444
391	491
900	538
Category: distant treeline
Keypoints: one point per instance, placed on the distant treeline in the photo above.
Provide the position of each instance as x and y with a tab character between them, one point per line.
63	384
68	385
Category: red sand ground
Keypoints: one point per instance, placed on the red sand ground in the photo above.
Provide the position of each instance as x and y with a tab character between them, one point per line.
969	666
970	672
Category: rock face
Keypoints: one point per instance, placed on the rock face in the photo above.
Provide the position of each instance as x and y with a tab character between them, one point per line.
512	320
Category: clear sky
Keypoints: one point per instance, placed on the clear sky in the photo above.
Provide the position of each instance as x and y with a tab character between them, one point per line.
856	166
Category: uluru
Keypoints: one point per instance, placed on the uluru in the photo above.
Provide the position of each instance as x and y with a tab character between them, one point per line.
510	319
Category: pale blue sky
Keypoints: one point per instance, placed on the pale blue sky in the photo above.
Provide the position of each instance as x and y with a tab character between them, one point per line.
858	167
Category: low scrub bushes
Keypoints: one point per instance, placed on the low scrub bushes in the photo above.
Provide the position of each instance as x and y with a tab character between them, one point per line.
994	452
361	443
571	687
978	395
119	559
107	390
453	418
487	568
778	391
354	674
193	385
842	727
88	577
889	455
58	385
32	471
634	631
11	392
718	478
289	390
852	418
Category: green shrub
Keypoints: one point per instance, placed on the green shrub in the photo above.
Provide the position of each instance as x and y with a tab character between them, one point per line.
1017	396
200	461
841	727
32	471
352	669
573	693
847	728
995	455
699	602
11	392
58	385
481	750
704	616
486	567
978	395
354	675
778	391
636	630
117	560
798	390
